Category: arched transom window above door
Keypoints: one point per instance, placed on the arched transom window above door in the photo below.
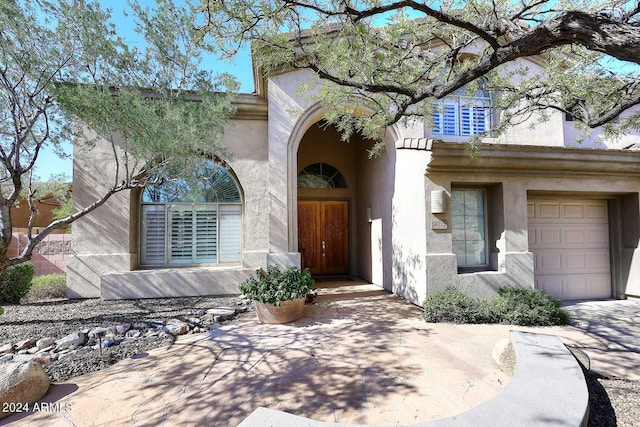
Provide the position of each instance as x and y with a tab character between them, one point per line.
196	220
321	175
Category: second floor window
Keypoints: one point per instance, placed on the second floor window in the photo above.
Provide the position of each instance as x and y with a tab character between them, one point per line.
462	115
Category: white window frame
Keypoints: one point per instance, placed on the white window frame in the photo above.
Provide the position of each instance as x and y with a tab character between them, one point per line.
466	266
454	108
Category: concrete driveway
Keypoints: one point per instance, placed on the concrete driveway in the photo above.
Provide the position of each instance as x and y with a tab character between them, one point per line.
609	332
359	356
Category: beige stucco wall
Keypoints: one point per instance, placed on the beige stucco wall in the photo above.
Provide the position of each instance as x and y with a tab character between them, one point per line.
105	241
392	240
518	182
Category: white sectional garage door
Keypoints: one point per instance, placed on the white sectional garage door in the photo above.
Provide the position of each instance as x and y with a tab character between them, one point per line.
570	243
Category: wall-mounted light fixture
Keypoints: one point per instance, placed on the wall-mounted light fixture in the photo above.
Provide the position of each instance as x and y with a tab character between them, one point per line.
438	202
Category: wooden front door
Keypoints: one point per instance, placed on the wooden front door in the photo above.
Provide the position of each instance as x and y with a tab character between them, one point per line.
323	236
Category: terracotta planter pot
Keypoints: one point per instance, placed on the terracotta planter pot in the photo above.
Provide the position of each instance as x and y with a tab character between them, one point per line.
286	312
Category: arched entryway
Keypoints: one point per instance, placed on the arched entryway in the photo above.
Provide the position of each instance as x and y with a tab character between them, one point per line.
343	205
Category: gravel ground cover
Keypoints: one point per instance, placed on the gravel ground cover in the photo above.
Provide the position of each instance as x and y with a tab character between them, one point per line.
59	318
613	402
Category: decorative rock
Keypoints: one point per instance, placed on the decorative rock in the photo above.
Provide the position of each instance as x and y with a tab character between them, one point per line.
157	324
5	348
242	309
133	333
24	382
6	357
98	332
225	313
24	357
109	342
122	329
176	327
25	344
207	318
45	342
140	325
200	313
43	359
44	350
76	338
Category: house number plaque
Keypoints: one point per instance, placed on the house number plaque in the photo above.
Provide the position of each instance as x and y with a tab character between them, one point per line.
438	224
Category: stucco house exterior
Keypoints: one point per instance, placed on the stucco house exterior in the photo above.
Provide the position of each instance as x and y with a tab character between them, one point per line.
534	209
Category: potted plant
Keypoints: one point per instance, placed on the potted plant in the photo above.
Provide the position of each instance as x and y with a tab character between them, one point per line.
279	294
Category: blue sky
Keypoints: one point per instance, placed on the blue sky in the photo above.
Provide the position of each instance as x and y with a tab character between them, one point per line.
50	164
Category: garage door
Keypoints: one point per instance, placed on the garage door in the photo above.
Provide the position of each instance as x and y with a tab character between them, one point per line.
570	243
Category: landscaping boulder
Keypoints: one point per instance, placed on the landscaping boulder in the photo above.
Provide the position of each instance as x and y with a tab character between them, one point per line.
74	339
176	327
45	342
21	382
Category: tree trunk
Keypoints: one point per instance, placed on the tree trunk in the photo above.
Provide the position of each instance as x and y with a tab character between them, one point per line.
6	229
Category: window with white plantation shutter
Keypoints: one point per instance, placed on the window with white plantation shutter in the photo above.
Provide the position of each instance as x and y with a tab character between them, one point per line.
153	239
202	227
181	235
445	118
230	233
461	115
206	234
475	120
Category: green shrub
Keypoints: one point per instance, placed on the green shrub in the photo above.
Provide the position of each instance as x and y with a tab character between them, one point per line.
452	306
275	285
528	307
49	286
15	282
512	305
1	311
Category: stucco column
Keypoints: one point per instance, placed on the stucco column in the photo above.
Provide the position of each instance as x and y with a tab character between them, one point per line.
284	113
514	257
101	240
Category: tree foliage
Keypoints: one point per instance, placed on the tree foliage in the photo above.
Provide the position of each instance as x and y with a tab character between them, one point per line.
394	58
63	67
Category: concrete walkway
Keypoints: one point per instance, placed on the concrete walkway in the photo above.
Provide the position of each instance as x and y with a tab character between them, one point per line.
358	356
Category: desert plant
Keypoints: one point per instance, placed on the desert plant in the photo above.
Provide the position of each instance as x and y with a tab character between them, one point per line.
512	305
452	306
528	307
276	285
15	282
48	286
